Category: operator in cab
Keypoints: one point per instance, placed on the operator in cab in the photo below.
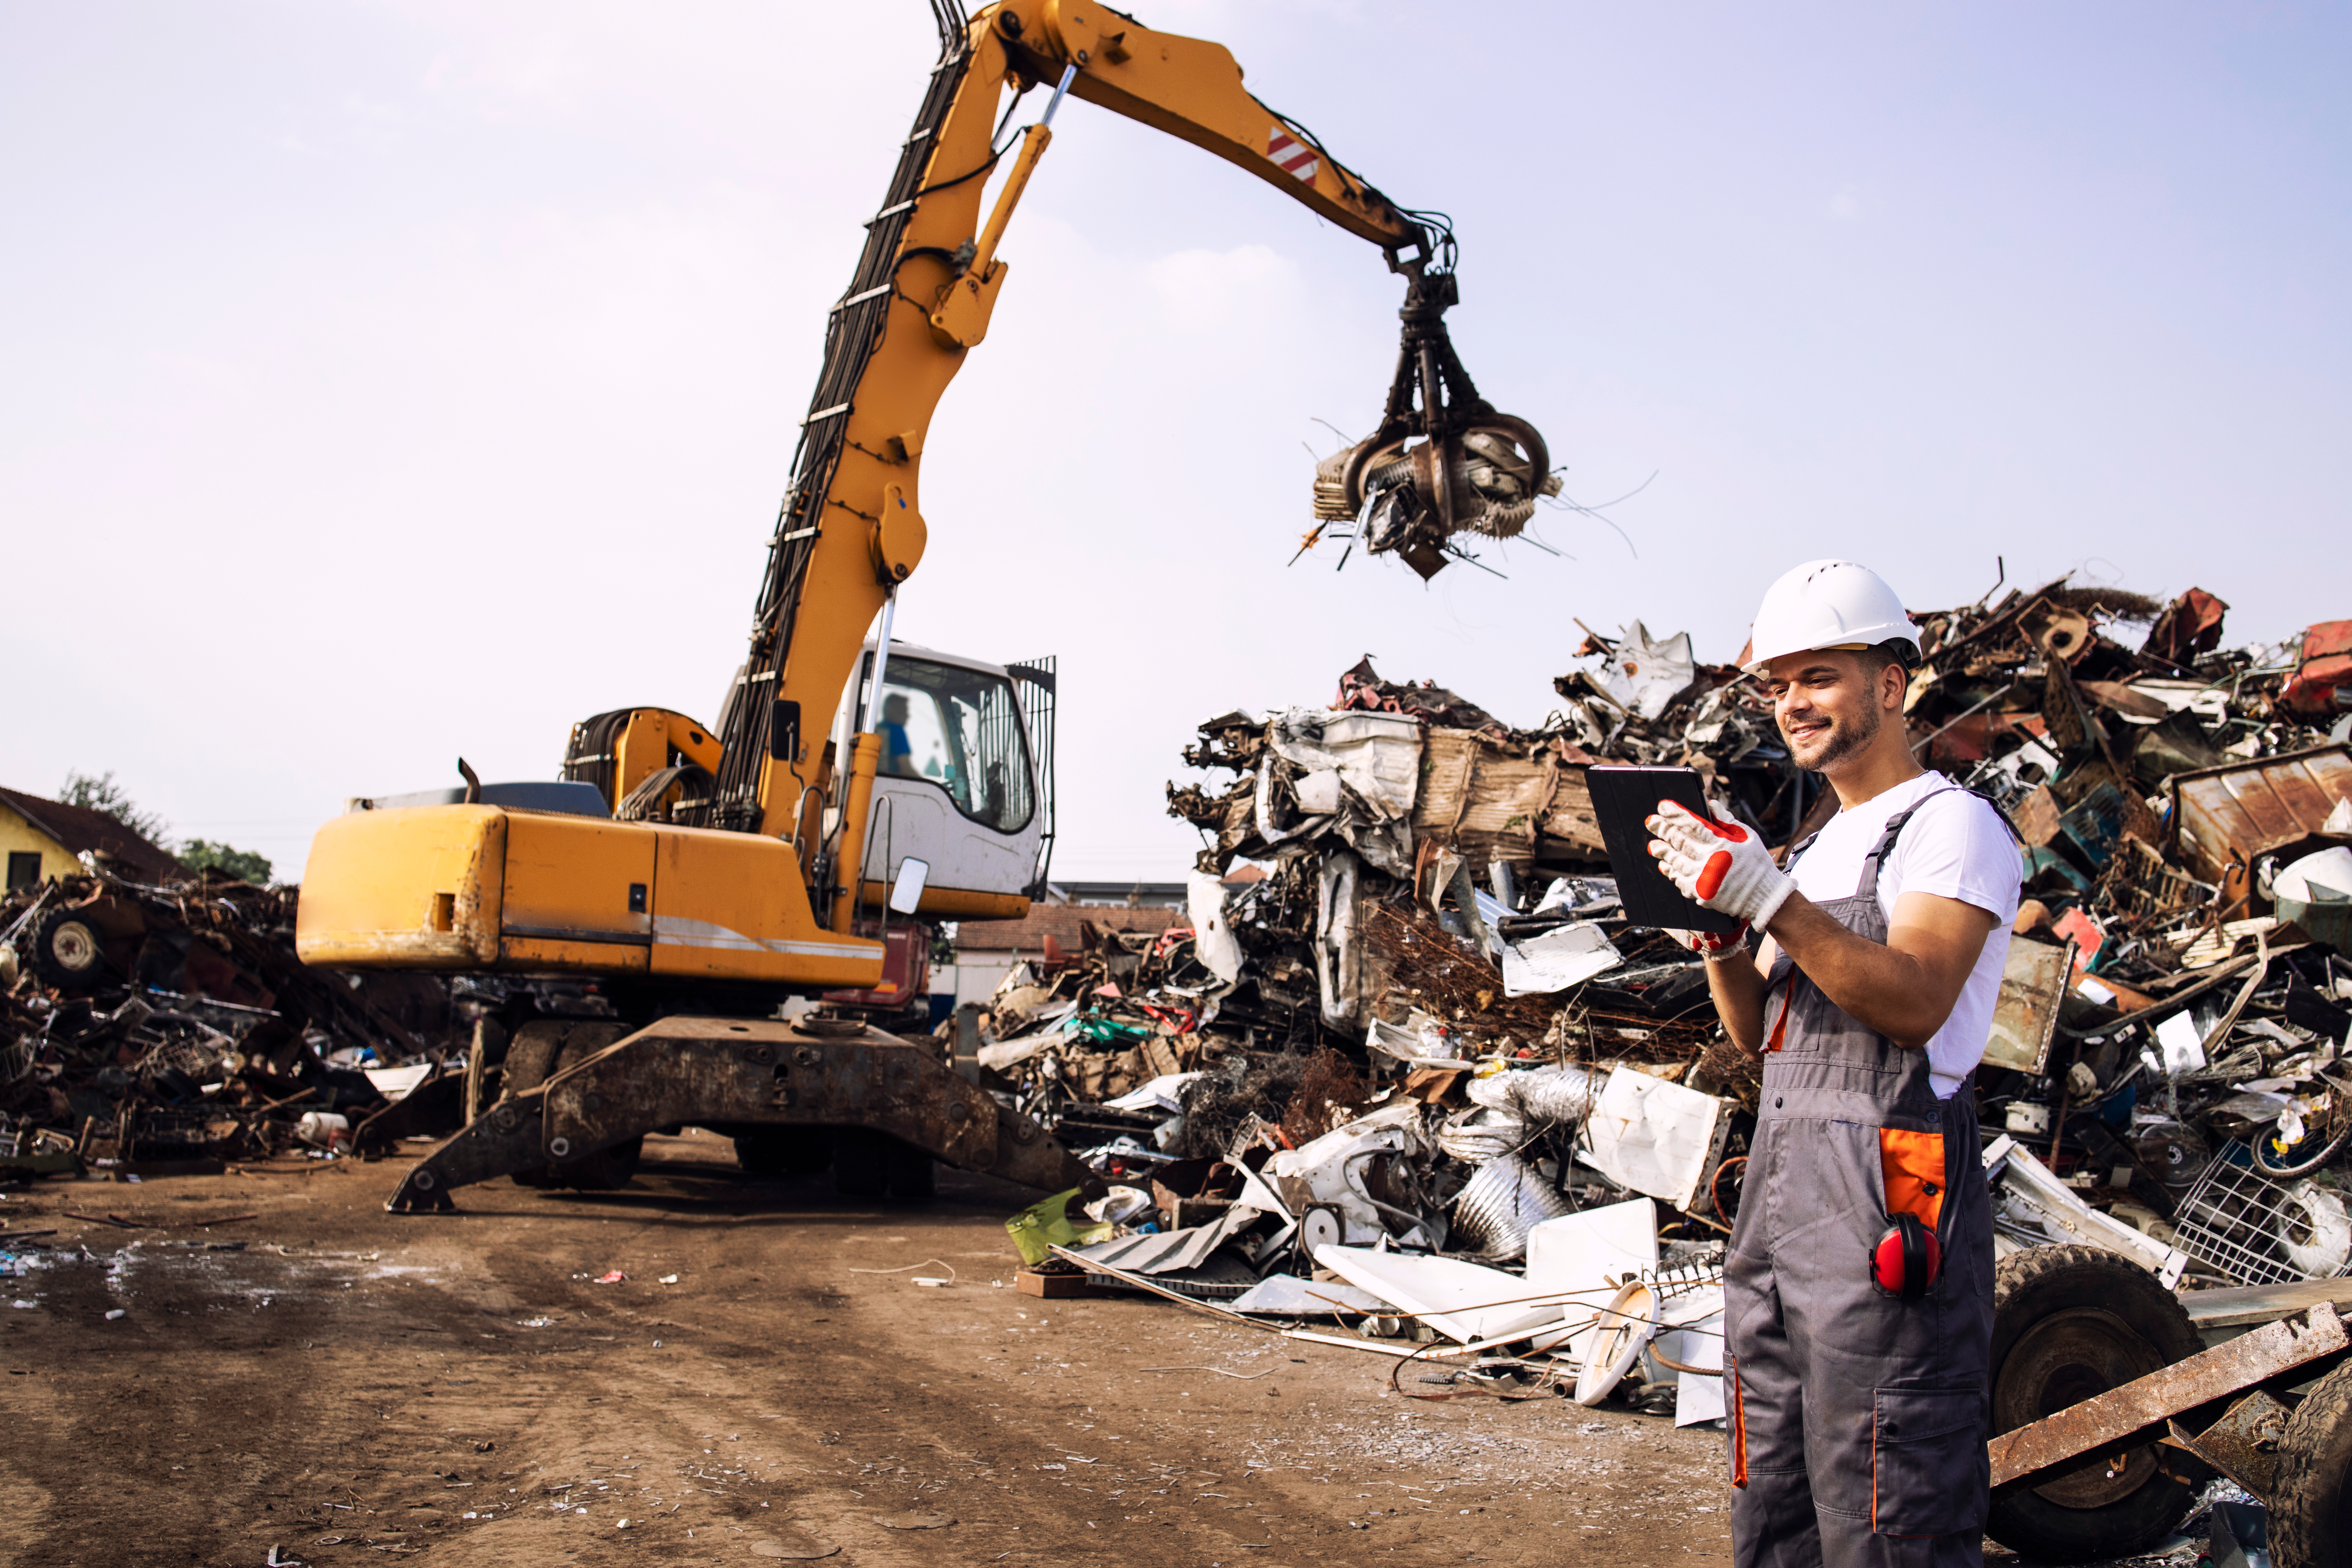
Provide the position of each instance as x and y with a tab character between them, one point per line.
1858	1289
897	751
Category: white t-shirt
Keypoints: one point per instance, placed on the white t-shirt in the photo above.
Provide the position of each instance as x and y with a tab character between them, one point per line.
1957	846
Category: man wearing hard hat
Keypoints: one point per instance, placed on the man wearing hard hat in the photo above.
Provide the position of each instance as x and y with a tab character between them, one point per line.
1858	1291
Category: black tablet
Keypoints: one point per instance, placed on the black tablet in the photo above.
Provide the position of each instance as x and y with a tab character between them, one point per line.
1622	798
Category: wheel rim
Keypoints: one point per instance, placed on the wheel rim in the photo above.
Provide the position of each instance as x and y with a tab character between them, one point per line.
75	947
2057	1364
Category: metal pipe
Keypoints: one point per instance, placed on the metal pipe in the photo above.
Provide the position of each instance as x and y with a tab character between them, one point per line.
1069	75
881	661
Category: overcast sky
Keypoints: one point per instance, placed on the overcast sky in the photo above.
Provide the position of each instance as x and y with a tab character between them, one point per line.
390	381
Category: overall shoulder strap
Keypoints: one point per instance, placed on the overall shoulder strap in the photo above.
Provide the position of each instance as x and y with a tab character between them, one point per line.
1789	861
1877	856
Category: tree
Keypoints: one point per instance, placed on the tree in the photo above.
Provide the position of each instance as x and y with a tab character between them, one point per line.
100	792
245	864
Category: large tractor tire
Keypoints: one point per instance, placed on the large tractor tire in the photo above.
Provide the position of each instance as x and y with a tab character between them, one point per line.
69	951
2070	1323
539	1050
2311	1490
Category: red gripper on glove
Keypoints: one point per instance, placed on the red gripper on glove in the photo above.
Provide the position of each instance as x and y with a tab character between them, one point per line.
1718	864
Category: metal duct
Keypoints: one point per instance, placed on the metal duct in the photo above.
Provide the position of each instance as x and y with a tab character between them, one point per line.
1501	1203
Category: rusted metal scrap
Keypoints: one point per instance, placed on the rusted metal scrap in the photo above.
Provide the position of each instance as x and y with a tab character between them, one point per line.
2116	1418
160	1024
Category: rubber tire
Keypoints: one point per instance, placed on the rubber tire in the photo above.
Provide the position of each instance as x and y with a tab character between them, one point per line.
78	929
773	1153
2037	1284
538	1052
2314	1154
861	1163
531	1061
2311	1489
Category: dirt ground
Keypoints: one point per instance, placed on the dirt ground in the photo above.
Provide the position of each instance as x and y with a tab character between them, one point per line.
336	1382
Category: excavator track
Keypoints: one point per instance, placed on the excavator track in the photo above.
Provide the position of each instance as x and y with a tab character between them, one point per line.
736	1072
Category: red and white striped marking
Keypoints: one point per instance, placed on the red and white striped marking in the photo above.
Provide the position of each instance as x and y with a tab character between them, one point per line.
1291	155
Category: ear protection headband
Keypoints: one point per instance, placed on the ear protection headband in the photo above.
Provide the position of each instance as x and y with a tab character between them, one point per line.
1907	1260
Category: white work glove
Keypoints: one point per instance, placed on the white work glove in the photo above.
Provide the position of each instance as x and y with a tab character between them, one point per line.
1720	866
1714	944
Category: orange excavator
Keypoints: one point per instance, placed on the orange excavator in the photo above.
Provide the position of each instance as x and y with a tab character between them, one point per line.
695	876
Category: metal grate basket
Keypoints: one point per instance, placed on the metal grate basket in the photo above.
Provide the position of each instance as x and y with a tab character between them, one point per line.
2262	1232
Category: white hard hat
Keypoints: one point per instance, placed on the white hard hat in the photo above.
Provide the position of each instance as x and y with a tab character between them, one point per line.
1826	604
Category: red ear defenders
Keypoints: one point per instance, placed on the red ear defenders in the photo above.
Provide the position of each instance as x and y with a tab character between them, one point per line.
1907	1260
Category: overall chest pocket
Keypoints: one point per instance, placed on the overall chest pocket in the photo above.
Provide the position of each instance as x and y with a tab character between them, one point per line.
1928	1470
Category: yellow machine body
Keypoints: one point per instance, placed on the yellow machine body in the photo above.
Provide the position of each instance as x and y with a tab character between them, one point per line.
483	888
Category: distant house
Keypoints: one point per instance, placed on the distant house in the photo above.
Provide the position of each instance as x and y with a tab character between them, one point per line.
1156	895
987	950
44	839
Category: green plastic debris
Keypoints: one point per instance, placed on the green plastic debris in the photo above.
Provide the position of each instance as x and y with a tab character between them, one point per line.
1045	1225
1103	1031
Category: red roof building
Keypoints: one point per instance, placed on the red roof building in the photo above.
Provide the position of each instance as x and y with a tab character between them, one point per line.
45	838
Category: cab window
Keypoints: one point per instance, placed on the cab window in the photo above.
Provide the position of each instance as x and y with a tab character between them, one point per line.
960	730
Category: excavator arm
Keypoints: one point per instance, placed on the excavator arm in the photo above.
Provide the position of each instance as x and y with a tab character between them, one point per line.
1191	90
851	529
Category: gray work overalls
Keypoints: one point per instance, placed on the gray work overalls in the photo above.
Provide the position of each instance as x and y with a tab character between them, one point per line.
1858	1419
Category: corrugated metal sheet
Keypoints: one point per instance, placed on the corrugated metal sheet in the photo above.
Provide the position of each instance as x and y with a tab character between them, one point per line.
2247	808
1478	798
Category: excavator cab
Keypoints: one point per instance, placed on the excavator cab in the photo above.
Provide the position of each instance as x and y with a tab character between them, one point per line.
964	782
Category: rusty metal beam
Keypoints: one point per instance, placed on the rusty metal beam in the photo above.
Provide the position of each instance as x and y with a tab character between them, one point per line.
2121	1414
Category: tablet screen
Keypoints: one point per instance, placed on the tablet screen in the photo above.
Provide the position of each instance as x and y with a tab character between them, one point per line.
1622	798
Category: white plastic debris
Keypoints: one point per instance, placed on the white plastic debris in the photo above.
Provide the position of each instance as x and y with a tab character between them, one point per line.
1165	1092
1580	1259
2324	877
2183	1047
1333	1167
1213	941
1557	959
1691	1333
1461	1300
1119	1205
1656	1137
1646	675
1627	1325
393	1083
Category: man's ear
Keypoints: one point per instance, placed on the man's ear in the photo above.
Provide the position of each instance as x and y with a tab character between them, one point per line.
1899	684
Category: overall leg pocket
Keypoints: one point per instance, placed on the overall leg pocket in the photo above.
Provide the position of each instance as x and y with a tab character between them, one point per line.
1912	1166
1928	1472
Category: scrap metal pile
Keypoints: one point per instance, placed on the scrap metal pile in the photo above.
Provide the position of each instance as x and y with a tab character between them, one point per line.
170	1027
1425	1063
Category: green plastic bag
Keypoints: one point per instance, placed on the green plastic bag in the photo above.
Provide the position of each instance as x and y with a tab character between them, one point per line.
1045	1225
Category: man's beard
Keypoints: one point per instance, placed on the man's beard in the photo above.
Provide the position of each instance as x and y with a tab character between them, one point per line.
1846	738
